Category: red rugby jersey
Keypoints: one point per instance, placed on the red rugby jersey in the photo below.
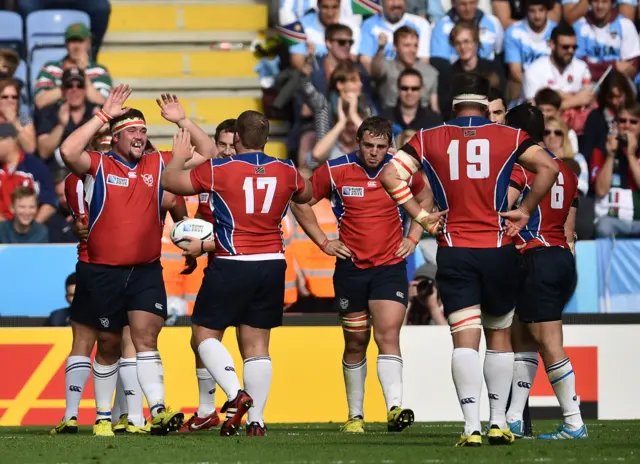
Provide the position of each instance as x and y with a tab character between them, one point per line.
125	208
74	192
546	224
369	220
204	207
250	194
9	181
468	163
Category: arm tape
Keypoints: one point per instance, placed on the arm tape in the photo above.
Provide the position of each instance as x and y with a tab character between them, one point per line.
405	165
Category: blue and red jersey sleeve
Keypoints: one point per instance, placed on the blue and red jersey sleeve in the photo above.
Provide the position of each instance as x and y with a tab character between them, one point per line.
202	178
321	182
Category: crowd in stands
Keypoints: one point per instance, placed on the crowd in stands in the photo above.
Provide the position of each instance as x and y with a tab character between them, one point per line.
577	61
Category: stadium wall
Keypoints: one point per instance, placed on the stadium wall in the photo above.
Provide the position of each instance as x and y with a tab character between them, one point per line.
307	378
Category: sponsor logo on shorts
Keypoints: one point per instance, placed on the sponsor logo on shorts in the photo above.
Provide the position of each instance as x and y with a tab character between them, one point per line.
104	321
75	388
129	393
212	391
158	306
493	396
469	400
148	179
204	198
352	191
522	384
400	294
117	181
344	303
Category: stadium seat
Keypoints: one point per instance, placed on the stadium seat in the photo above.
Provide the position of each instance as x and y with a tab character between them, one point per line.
11	35
21	75
46	28
39	57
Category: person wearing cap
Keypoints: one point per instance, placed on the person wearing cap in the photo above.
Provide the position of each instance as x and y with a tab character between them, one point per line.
425	306
18	169
97	79
56	121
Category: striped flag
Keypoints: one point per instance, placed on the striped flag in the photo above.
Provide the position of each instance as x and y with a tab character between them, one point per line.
366	7
292	33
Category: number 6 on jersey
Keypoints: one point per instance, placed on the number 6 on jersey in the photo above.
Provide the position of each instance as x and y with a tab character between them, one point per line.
261	183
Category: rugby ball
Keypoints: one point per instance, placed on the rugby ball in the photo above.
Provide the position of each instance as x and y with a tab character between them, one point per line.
193	228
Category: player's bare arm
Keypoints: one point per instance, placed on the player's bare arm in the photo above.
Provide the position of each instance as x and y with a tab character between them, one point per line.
175	178
536	160
409	244
306	196
395	179
512	196
307	219
570	229
72	149
172	110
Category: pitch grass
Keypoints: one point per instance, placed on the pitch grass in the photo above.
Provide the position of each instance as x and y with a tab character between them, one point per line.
609	441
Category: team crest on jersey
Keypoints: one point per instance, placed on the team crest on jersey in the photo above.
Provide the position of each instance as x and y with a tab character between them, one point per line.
148	179
117	181
259	170
204	198
469	133
570	79
352	191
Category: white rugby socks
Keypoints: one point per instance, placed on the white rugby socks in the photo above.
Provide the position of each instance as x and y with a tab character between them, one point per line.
206	392
563	381
120	402
104	385
257	382
151	378
354	378
132	390
498	374
525	367
76	375
467	377
219	363
390	376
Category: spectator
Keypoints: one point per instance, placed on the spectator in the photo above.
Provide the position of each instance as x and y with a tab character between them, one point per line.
409	114
549	101
9	62
23	228
497	108
60	224
556	139
526	41
431	11
26	170
615	176
315	24
465	37
491	32
97	80
511	11
561	71
98	11
55	122
386	72
615	93
10	112
606	38
293	10
60	317
573	10
425	306
392	18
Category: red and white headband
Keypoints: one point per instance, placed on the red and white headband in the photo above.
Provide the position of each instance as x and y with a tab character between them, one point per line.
126	123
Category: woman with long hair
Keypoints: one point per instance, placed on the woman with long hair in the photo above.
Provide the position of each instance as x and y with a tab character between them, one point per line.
11	112
556	139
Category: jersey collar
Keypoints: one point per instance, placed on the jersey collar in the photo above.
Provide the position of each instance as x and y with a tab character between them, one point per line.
468	121
372	174
123	161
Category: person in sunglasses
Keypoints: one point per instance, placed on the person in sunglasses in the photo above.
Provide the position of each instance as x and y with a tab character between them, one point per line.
55	122
561	71
615	177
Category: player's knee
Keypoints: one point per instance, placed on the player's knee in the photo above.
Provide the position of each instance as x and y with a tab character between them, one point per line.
386	339
108	350
497	322
465	319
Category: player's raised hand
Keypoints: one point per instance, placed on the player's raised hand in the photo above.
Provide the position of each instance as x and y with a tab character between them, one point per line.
406	248
114	106
182	145
170	108
336	248
434	222
516	219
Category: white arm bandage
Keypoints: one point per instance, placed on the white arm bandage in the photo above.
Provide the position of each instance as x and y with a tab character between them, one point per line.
405	167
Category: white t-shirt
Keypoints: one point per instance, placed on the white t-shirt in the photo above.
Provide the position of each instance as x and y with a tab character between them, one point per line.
542	73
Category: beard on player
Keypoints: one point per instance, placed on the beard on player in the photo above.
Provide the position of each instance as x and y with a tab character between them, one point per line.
374	139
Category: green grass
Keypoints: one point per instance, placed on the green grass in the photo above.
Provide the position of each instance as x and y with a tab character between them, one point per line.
609	441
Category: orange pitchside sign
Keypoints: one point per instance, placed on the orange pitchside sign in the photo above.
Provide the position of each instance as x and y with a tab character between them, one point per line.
306	362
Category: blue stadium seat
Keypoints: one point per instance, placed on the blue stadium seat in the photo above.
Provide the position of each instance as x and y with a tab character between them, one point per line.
39	57
11	35
21	75
46	28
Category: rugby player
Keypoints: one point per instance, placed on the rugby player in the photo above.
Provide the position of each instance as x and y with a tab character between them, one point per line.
468	162
370	278
546	244
124	275
244	284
